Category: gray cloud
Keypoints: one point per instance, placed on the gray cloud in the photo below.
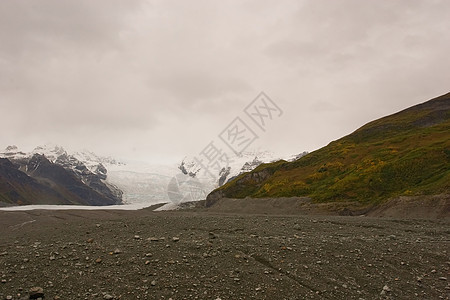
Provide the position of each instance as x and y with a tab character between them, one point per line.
160	79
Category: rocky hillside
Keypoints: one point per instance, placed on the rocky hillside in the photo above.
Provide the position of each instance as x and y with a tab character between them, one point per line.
407	153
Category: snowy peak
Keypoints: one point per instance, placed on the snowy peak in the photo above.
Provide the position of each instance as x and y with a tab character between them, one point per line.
245	162
92	160
12	152
51	152
83	163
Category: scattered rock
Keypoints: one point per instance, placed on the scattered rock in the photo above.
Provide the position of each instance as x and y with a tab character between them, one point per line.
36	292
385	290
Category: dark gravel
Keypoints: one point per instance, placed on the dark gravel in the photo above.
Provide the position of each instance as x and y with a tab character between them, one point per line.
193	255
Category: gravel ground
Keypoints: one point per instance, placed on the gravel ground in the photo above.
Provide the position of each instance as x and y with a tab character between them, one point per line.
198	255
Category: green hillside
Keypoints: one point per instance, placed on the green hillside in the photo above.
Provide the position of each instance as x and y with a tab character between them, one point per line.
407	153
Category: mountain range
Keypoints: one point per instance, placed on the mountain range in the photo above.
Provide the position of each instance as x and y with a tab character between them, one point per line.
49	175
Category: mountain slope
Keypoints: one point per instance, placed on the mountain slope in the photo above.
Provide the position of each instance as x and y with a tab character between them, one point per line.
37	180
75	181
18	188
407	153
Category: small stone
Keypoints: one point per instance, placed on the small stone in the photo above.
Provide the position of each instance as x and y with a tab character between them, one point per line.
137	237
98	260
9	297
385	290
91	240
3	280
175	239
153	283
108	297
212	235
3	253
148	255
36	292
147	262
442	278
117	251
153	239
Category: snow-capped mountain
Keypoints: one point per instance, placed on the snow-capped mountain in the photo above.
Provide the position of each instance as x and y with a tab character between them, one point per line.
220	173
143	183
89	169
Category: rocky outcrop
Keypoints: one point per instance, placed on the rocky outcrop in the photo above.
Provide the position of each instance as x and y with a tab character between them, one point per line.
239	186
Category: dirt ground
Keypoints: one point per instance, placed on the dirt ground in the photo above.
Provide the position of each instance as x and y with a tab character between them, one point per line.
205	255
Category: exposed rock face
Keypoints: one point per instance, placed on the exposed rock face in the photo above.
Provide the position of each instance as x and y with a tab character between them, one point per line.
239	186
223	175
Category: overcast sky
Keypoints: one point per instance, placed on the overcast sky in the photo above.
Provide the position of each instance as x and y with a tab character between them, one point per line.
157	80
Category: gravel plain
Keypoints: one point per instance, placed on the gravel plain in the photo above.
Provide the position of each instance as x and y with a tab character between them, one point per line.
202	255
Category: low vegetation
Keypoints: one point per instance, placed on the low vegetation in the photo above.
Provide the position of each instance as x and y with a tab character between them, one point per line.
407	153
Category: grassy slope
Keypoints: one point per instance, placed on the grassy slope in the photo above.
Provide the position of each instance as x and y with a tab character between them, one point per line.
407	153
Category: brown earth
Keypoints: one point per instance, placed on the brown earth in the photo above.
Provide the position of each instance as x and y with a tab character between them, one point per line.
113	254
419	207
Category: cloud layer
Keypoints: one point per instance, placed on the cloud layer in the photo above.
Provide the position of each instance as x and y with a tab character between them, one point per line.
157	80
